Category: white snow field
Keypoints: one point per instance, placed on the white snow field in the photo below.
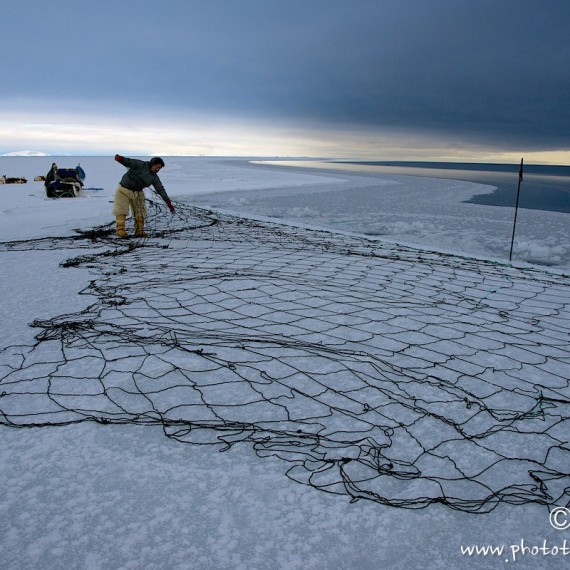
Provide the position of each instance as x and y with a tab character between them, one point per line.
239	392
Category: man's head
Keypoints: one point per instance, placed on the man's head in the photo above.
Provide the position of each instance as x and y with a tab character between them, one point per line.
156	163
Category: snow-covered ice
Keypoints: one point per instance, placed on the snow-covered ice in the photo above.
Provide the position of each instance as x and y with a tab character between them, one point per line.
309	353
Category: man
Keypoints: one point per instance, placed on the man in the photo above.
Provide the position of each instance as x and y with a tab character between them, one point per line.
130	192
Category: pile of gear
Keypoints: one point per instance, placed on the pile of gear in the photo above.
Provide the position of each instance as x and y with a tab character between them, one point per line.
64	182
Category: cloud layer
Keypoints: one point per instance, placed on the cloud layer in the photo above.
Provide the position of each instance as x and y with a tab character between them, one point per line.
479	73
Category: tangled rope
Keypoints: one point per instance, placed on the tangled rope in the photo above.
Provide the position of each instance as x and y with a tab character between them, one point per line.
376	371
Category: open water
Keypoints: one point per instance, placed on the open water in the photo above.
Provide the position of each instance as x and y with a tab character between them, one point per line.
542	188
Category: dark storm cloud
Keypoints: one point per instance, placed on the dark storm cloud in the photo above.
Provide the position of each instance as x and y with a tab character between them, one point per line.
486	70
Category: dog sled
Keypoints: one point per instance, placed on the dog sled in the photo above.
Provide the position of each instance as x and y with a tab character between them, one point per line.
64	182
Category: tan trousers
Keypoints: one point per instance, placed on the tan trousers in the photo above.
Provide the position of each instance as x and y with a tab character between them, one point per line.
125	199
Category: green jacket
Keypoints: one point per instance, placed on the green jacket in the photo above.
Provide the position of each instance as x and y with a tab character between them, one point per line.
139	176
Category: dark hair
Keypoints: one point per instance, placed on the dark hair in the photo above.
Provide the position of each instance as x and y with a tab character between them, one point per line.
156	160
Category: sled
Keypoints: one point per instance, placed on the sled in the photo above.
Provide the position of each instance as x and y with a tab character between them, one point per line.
64	182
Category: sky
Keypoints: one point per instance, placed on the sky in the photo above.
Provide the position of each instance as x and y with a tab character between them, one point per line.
481	80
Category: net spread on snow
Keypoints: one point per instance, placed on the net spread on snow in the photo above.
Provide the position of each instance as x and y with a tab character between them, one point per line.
377	371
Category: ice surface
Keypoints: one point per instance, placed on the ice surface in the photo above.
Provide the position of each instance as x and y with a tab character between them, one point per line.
316	331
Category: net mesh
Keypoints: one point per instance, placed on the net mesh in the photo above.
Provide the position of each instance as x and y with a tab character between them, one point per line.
371	370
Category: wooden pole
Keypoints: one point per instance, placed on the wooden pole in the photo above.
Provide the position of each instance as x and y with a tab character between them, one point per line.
516	209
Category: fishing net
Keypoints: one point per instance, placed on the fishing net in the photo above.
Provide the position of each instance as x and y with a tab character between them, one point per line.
371	370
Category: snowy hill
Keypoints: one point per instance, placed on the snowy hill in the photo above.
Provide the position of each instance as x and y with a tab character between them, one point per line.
25	153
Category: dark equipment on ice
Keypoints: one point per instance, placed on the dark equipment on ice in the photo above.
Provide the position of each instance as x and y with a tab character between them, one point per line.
64	182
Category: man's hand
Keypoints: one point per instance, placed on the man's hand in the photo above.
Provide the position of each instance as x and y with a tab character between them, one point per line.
170	207
119	158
